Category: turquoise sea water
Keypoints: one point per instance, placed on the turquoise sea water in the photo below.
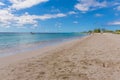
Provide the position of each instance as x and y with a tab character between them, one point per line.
11	43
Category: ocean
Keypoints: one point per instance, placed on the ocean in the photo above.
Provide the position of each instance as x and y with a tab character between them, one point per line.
13	43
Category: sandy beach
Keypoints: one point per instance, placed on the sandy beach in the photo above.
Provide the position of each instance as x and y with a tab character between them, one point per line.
95	57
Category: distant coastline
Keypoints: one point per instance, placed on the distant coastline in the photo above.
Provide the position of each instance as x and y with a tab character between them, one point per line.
98	30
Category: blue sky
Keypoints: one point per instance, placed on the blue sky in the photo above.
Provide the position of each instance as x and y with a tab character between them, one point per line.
58	15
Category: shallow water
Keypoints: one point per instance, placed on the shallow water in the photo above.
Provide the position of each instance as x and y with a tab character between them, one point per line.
12	43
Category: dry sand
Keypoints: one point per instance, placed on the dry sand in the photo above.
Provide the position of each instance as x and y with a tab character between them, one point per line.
96	57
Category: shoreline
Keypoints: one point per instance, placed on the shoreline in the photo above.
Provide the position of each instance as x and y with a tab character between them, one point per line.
24	48
11	59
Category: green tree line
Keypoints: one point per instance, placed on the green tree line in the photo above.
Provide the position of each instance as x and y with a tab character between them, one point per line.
103	31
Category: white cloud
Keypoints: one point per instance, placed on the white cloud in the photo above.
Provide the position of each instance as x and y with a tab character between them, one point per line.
115	23
98	15
75	22
58	24
22	4
7	18
118	8
53	9
49	16
2	4
116	14
87	5
25	19
72	12
116	3
33	19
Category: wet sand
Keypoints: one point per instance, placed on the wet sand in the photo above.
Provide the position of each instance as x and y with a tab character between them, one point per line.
96	57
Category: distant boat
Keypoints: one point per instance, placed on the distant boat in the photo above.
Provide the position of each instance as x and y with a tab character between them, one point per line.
32	33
